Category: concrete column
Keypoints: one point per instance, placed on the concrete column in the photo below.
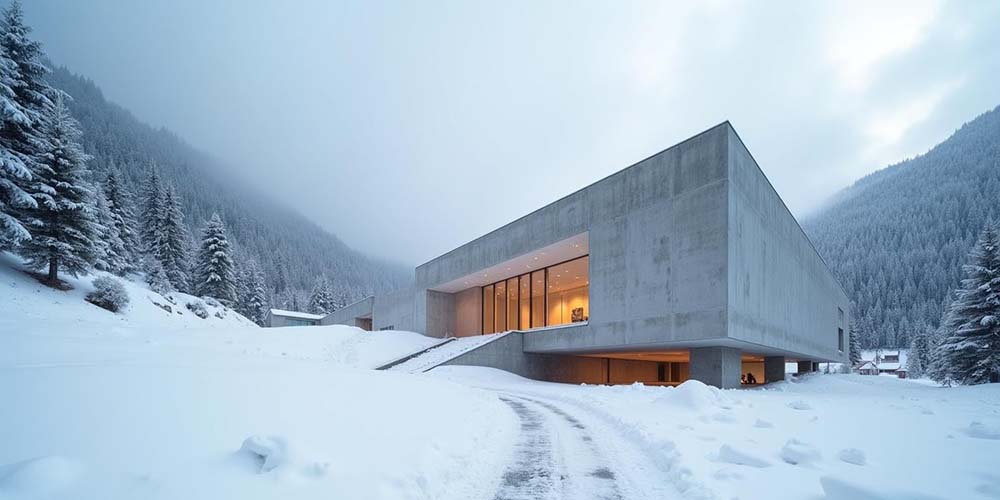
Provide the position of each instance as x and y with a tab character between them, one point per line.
718	366
774	369
805	367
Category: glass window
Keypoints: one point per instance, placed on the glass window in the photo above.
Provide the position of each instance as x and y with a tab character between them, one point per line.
568	292
500	307
488	309
525	301
512	308
538	299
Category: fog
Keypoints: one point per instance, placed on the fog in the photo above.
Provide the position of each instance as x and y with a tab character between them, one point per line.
410	128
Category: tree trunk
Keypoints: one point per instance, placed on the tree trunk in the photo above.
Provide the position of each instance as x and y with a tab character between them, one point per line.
53	269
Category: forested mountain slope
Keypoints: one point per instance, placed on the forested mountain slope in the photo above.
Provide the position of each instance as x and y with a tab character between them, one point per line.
293	251
897	239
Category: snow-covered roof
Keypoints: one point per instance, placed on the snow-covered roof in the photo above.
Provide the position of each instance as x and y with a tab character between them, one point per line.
888	366
867	365
295	314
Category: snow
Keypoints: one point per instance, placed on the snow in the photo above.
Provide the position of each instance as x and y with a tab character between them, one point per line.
444	352
819	436
150	404
147	403
295	314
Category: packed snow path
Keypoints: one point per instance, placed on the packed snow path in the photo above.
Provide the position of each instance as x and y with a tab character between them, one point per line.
564	452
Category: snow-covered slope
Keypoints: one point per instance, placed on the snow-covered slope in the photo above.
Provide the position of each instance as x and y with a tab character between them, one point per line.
151	404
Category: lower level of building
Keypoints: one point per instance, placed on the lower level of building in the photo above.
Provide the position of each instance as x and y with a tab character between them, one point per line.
719	366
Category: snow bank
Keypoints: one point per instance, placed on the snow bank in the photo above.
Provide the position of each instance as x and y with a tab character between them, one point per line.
39	477
692	395
267	452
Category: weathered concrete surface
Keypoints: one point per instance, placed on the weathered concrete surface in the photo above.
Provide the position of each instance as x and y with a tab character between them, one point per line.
781	293
348	314
774	369
717	366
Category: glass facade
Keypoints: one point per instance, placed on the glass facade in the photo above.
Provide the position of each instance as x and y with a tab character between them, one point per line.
556	295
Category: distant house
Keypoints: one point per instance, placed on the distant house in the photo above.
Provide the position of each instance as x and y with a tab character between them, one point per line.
867	368
878	362
280	317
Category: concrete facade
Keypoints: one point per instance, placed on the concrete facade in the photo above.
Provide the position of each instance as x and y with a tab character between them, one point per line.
689	250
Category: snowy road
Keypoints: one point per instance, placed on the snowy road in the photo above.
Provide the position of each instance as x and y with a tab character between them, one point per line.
566	451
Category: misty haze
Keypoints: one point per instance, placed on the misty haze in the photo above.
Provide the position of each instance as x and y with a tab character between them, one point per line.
464	250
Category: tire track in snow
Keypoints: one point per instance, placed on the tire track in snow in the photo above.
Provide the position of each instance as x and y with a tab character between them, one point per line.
556	457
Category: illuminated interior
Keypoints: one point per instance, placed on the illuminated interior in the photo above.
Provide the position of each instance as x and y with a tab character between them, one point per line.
556	295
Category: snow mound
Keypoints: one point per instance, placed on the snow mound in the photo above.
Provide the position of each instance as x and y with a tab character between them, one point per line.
692	395
837	489
39	477
731	455
852	456
984	430
269	452
796	452
799	405
763	424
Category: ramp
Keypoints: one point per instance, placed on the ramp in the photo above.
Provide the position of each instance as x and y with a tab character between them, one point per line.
440	353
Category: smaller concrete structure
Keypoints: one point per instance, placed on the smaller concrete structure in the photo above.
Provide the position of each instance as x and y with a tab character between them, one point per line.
281	317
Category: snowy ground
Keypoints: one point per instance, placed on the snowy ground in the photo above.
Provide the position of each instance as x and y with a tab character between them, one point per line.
150	404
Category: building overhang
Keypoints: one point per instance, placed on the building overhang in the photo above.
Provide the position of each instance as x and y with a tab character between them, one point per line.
560	251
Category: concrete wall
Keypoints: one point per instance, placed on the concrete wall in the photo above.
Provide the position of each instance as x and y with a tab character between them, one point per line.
279	321
469	312
348	314
397	310
657	236
781	293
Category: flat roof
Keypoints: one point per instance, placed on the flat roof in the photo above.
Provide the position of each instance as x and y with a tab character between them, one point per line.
295	314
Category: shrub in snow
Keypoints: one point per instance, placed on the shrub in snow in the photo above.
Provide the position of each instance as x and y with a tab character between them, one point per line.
109	294
211	301
198	308
268	451
852	456
796	452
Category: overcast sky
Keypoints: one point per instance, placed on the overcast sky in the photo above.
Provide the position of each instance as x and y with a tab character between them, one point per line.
408	129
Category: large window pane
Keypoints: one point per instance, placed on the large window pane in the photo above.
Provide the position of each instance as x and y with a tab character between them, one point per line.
500	307
567	293
512	309
525	301
538	299
488	309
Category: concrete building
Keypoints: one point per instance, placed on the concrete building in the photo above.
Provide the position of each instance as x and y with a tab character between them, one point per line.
684	265
280	317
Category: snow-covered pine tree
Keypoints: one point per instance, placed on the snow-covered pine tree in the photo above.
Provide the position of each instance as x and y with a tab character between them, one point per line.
20	109
854	344
255	300
64	229
322	299
156	277
153	200
107	243
172	240
214	273
123	218
918	360
969	352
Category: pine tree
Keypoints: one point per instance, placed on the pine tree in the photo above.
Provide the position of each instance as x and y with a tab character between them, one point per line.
854	344
153	208
214	273
65	229
918	361
171	241
123	219
19	117
969	353
155	276
322	300
108	244
253	293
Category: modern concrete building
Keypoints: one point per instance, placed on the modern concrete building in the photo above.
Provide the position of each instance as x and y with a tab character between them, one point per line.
684	265
280	317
